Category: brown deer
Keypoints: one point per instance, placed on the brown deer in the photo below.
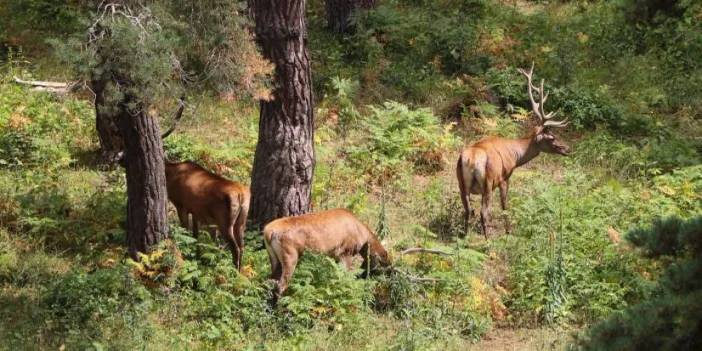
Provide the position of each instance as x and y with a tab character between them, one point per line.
489	163
210	199
336	233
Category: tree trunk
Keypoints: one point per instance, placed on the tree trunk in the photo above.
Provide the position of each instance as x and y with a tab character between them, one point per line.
339	13
111	143
146	179
281	182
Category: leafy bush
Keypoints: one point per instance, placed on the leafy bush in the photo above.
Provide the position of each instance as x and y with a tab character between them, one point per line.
34	125
597	276
397	135
583	108
653	156
670	318
85	305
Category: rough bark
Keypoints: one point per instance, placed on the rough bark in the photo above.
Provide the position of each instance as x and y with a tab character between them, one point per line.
339	13
146	180
106	123
284	161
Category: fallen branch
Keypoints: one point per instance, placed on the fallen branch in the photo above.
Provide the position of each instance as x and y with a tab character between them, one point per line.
423	250
53	87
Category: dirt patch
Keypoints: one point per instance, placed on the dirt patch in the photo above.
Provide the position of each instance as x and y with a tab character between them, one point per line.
523	340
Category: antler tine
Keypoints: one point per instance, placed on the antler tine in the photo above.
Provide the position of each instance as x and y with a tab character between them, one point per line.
543	98
530	88
556	124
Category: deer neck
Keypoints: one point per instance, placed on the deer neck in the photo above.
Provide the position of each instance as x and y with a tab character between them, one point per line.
525	150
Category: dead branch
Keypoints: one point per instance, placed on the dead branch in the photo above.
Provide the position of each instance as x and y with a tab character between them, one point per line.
414	250
53	87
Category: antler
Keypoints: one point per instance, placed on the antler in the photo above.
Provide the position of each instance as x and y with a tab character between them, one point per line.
545	119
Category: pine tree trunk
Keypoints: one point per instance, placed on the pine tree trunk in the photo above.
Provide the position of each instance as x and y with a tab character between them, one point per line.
281	182
146	180
111	143
339	13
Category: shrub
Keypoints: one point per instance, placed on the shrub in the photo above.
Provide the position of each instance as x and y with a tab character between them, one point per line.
84	306
670	318
397	135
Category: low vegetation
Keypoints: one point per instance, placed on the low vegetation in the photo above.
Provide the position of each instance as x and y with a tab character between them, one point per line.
396	100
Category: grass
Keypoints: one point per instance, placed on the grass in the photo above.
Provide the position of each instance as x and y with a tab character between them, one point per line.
64	278
62	261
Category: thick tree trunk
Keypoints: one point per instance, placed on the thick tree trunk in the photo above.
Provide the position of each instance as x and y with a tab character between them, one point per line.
146	180
339	13
106	123
284	162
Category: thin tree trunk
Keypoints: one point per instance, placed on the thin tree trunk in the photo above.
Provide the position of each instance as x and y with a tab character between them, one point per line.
339	13
106	123
281	182
146	180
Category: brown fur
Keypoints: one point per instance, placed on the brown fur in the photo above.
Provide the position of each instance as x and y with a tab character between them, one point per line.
489	163
336	233
210	199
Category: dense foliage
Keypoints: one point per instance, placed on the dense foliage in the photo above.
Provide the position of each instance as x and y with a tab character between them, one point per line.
670	319
395	100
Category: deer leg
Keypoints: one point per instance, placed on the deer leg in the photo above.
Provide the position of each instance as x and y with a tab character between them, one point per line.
288	261
276	267
464	185
196	228
485	210
239	229
183	217
213	233
347	261
504	187
228	234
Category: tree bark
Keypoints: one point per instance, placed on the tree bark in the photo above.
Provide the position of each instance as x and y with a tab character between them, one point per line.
281	182
106	123
339	13
146	179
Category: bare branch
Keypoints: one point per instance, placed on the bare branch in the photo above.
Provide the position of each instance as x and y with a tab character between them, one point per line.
423	250
53	87
178	115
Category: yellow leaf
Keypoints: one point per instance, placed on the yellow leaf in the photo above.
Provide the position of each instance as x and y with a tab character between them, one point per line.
666	190
582	37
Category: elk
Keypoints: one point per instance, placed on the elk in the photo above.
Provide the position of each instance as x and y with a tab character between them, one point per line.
336	233
207	197
489	163
210	199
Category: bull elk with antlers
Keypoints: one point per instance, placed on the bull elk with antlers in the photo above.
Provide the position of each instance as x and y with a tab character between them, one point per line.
489	163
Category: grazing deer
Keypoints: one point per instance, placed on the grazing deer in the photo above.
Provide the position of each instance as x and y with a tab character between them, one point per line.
210	199
489	163
336	233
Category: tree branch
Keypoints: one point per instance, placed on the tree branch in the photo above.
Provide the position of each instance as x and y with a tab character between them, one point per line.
53	87
423	250
415	278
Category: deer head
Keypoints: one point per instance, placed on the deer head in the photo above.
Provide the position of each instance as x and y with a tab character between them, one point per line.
542	134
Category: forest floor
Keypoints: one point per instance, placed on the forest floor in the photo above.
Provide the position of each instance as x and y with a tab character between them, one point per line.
522	339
